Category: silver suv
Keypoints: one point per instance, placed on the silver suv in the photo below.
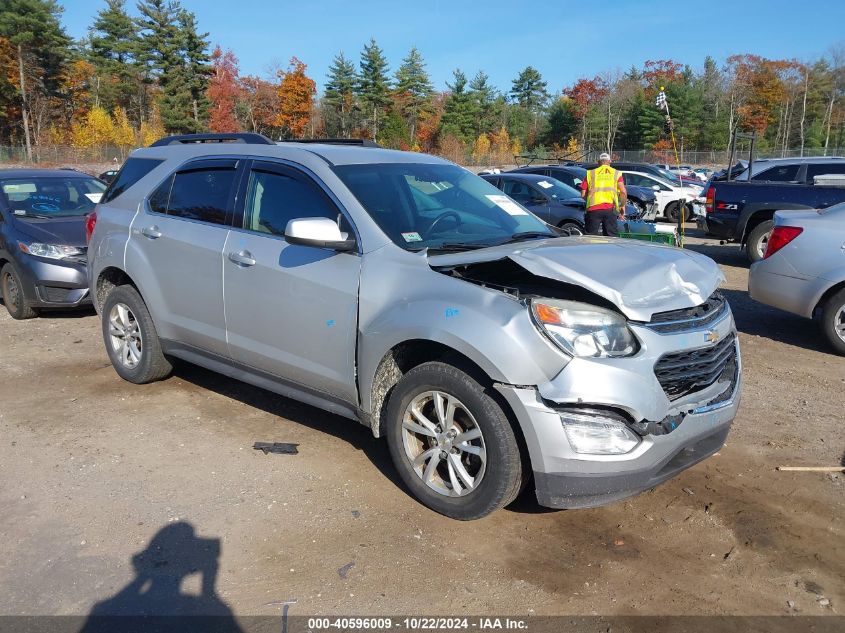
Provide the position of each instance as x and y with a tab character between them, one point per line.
401	291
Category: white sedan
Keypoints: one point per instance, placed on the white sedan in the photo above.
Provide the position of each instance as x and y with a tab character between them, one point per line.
670	198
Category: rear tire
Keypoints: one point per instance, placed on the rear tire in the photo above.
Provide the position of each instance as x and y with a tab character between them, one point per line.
470	479
833	321
131	339
758	240
13	296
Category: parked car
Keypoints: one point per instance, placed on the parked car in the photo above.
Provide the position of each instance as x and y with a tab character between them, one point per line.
108	175
803	270
703	173
400	290
42	238
671	199
742	211
547	198
642	198
652	170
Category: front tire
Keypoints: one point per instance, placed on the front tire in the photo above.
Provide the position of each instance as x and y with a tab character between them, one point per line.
452	442
833	321
130	337
672	211
13	296
571	228
758	241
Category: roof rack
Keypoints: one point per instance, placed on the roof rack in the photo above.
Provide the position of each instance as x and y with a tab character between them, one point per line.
361	142
249	138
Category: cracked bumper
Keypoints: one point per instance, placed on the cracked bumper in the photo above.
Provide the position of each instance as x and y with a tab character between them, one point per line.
567	479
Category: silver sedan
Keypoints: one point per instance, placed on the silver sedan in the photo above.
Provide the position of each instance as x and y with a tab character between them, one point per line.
804	269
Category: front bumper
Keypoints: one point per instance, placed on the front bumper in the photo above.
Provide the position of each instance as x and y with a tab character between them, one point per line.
53	284
567	479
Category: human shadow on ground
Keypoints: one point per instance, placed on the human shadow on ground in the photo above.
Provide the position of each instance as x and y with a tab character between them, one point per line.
155	601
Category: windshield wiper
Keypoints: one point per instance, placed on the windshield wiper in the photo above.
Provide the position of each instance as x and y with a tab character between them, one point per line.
528	235
458	246
39	216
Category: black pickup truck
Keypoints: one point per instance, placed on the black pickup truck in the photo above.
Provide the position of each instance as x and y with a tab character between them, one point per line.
742	211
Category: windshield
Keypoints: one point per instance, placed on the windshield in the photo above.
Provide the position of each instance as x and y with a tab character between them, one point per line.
438	206
44	197
557	189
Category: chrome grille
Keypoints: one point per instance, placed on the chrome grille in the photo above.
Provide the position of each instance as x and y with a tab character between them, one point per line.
690	318
681	373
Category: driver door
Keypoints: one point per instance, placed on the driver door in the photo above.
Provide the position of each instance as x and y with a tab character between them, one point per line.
528	197
291	310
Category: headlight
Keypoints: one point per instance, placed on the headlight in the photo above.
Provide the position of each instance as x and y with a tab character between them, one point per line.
50	251
580	329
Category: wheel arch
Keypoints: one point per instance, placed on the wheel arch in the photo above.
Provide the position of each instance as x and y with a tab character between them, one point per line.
827	294
109	278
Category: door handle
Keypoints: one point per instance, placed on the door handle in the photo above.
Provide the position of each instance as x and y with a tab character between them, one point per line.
151	232
244	258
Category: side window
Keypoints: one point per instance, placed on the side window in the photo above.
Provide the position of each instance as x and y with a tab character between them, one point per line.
132	171
824	169
202	194
783	173
517	190
274	199
158	201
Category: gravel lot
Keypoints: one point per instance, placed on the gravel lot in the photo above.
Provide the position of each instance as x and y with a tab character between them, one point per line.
92	468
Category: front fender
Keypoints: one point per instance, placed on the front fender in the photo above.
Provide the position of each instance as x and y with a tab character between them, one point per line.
403	299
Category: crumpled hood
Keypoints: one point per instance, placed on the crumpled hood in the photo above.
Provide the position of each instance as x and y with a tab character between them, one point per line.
62	231
641	279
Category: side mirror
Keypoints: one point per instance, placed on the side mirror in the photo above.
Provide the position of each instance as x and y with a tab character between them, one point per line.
319	233
656	187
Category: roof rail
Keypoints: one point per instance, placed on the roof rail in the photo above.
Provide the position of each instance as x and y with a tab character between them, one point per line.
249	138
361	142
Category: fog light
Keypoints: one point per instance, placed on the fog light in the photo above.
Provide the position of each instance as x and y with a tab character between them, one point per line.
597	435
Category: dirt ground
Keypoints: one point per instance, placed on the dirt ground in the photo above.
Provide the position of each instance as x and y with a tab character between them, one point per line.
93	468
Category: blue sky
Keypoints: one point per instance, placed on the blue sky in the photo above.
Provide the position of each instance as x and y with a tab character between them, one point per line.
502	37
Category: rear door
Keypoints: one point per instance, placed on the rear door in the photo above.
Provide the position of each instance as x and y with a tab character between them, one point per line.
177	255
291	310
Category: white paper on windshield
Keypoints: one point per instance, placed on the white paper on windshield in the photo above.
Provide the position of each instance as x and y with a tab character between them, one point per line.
94	197
507	205
545	184
19	187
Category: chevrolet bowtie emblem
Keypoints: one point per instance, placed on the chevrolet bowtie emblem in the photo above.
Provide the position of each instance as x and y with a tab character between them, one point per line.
712	336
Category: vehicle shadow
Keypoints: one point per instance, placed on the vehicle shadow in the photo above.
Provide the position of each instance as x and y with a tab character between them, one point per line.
726	255
352	432
155	600
54	313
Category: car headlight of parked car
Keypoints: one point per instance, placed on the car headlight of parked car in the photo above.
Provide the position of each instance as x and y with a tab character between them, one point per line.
597	434
580	329
50	251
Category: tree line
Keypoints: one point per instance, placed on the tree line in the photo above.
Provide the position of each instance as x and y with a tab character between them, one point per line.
146	71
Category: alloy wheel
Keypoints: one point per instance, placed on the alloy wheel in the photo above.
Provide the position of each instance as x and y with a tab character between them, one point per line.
839	323
12	292
444	443
125	335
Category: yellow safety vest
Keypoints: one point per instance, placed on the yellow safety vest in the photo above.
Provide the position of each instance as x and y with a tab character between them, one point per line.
602	187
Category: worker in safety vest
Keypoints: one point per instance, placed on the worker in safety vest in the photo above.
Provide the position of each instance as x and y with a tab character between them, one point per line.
604	191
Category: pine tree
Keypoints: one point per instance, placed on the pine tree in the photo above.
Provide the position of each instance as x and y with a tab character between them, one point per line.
529	90
34	30
484	101
339	94
373	83
113	42
196	67
458	112
413	89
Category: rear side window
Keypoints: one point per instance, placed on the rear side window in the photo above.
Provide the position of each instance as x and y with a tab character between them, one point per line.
202	193
783	173
132	171
824	169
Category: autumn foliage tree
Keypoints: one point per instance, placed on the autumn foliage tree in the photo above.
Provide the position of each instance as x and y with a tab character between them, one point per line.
296	97
223	91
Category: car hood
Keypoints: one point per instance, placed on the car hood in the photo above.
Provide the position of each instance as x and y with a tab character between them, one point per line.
643	193
64	231
571	202
641	279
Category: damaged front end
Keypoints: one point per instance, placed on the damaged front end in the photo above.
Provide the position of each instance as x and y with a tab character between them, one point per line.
653	387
